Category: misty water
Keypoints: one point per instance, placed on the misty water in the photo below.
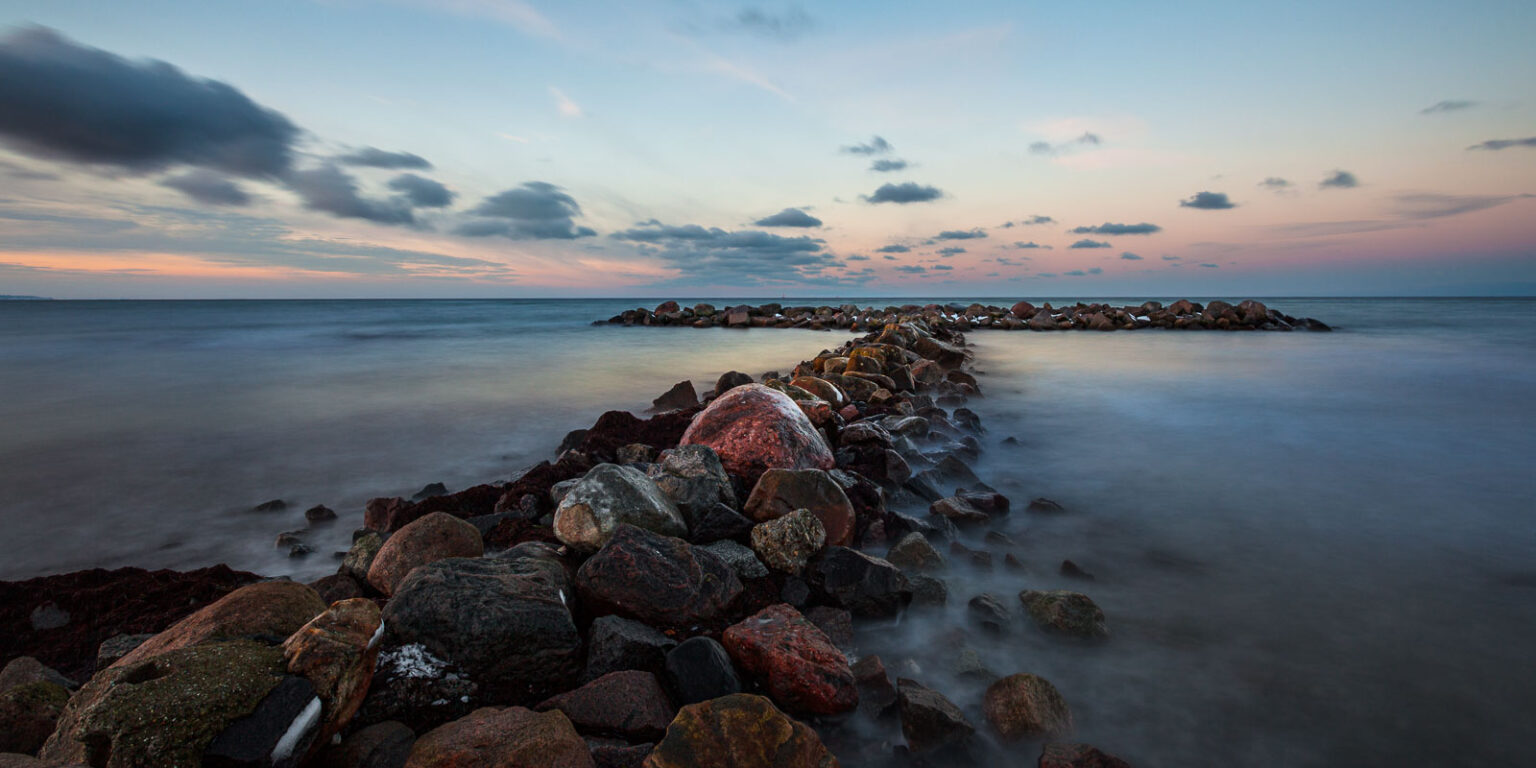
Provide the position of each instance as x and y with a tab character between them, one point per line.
1313	549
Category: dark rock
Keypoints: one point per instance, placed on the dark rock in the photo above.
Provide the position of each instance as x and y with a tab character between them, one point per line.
720	523
989	613
511	737
617	753
359	559
658	580
787	543
611	495
990	502
800	667
1072	571
929	591
28	715
1023	705
958	511
337	586
914	553
876	694
681	395
699	669
382	745
429	490
617	644
739	731
616	429
754	428
1044	505
251	741
1070	613
865	585
693	478
25	670
319	513
118	646
930	721
629	704
1061	755
742	561
423	691
731	380
835	623
795	592
781	491
572	441
275	505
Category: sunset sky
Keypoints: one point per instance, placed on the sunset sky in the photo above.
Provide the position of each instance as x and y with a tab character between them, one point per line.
352	148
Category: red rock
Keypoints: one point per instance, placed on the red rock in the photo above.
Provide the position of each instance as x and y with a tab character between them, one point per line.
395	513
1060	755
630	704
271	608
434	537
336	651
781	491
1023	310
801	668
502	738
739	731
754	428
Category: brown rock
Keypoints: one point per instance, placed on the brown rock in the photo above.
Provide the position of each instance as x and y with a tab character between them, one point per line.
739	731
437	536
781	491
268	608
929	720
1024	705
381	745
630	704
336	651
680	396
754	428
492	737
821	388
1061	755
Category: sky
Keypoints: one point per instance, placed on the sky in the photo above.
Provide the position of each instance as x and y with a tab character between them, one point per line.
525	148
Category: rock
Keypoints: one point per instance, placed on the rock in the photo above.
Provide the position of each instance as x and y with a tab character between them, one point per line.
730	380
1072	571
822	389
699	669
337	586
930	721
414	687
1024	705
781	491
680	396
989	613
430	490
609	496
634	453
629	704
913	553
337	651
865	585
835	623
1044	505
658	580
437	536
275	505
742	560
28	715
801	669
787	543
946	355
876	694
754	428
618	644
862	432
958	511
495	737
969	664
739	731
1023	310
990	502
166	709
615	429
1060	755
617	753
505	621
268	609
1070	613
278	732
693	478
927	590
720	523
666	307
116	647
382	745
25	670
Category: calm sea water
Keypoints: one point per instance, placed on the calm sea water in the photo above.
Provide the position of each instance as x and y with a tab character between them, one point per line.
1313	549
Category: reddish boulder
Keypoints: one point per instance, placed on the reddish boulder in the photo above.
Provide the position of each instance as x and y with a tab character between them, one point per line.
492	737
337	652
1023	310
267	608
630	704
739	731
434	537
657	580
801	668
781	491
754	428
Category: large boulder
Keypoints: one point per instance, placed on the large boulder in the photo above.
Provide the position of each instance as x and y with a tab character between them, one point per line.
1066	612
417	689
629	704
167	709
692	477
28	715
336	652
267	609
754	428
801	669
913	552
616	643
611	495
657	580
739	731
929	720
865	585
505	621
781	491
433	537
494	737
787	543
1023	706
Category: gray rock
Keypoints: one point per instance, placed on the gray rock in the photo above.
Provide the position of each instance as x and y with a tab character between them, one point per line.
692	477
700	669
608	496
618	644
741	559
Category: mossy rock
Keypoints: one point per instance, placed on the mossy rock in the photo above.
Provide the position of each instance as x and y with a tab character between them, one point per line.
1066	612
164	711
28	714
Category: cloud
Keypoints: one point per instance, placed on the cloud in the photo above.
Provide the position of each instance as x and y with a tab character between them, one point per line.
1088	139
421	192
564	104
1075	273
14	171
1426	206
1494	145
893	248
372	157
1166	257
912	269
951	251
1208	201
875	146
855	257
1128	256
942	268
1030	244
905	192
64	101
334	191
207	187
1275	183
749	257
962	234
1448	105
1107	228
1211	266
1038	219
789	217
788	26
1339	180
885	165
537	210
1046	274
1085	243
890	258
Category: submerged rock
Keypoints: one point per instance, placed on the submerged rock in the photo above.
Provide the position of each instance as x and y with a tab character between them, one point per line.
1061	755
1024	705
754	428
865	585
739	731
929	721
1070	613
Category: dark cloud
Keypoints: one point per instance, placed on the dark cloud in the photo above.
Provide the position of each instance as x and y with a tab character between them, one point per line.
890	258
1038	219
789	217
1046	274
1047	148
1208	201
1211	266
1339	180
855	257
1128	256
962	234
892	249
875	146
885	165
749	257
911	269
1089	244
334	191
208	187
1118	229
905	192
422	192
65	101
1498	144
942	268
1166	257
788	26
1075	273
1275	183
951	251
1448	105
537	210
1031	244
372	157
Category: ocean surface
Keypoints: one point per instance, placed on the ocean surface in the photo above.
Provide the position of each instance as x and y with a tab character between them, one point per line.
1313	549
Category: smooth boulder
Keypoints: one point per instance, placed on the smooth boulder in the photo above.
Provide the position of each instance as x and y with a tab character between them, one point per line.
1065	612
494	737
754	428
781	491
1024	705
658	580
629	704
433	537
739	731
611	495
266	609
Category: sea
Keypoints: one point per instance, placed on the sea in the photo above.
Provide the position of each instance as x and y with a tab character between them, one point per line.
1313	549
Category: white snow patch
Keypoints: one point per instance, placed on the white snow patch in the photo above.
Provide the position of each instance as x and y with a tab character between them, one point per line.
413	661
304	723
